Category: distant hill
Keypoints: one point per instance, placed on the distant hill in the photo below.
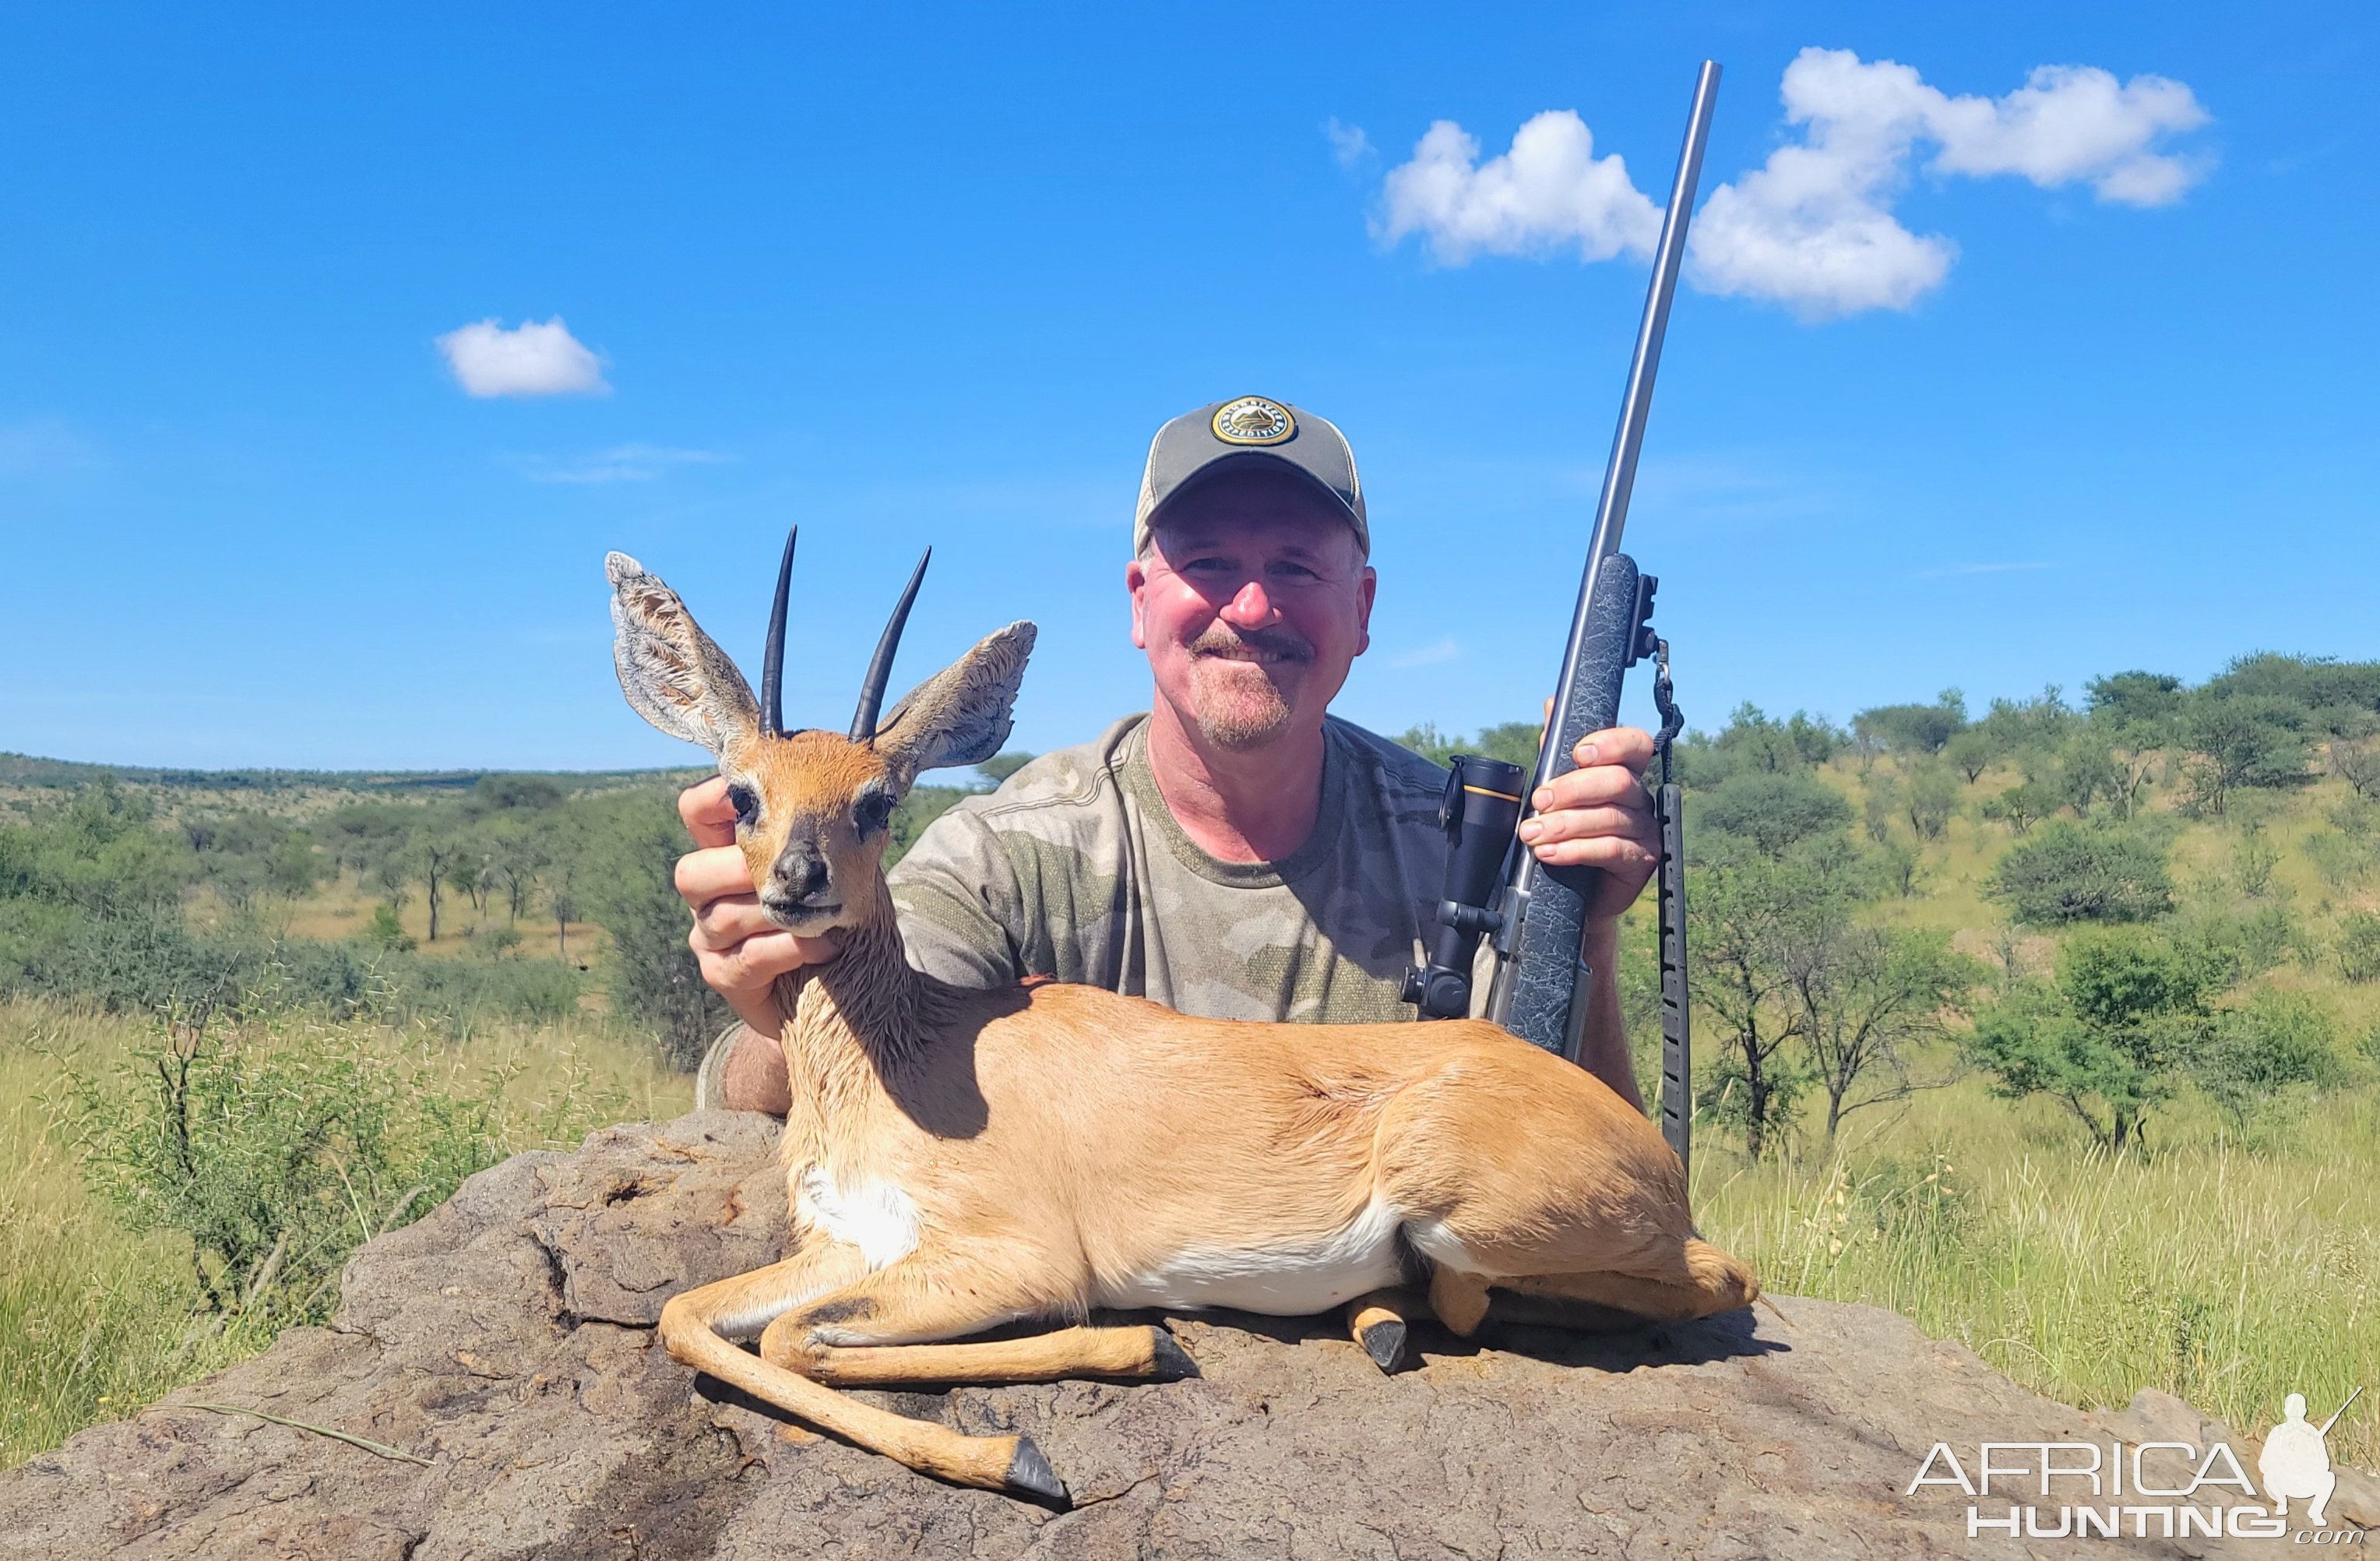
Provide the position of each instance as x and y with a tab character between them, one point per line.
27	769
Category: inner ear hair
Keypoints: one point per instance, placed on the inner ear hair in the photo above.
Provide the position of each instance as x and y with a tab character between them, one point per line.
962	714
674	675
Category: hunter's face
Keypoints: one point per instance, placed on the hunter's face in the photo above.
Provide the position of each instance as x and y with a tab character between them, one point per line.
1252	601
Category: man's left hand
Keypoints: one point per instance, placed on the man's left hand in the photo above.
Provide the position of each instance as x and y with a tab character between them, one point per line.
1599	815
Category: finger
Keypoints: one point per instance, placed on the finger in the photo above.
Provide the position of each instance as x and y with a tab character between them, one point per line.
1604	786
1580	824
710	816
726	921
754	963
1615	745
1615	854
716	873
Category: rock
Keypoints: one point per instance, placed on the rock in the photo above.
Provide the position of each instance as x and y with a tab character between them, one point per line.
506	1340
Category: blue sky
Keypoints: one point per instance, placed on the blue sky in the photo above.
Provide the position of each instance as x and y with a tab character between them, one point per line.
913	275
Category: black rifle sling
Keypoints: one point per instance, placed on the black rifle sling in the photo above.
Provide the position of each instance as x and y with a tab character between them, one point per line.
1677	1024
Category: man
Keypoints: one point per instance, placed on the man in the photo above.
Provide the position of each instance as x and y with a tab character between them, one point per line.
1237	852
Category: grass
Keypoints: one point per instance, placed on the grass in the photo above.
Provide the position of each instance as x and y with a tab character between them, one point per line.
2226	1274
95	1321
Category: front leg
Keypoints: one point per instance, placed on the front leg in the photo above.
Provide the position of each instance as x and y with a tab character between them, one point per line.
695	1328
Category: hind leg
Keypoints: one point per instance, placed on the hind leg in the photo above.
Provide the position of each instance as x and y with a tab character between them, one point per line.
1382	1322
1707	1281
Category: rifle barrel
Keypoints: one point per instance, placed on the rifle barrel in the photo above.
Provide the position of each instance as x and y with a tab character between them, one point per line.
2342	1409
1637	402
1539	990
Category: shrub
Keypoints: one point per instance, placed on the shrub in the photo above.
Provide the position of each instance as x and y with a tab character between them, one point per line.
2262	1049
625	884
277	1148
2240	948
2344	862
2067	871
2109	1039
1914	728
2357	946
1772	809
1933	800
386	931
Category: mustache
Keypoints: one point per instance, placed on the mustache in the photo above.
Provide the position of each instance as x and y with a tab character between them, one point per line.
1263	646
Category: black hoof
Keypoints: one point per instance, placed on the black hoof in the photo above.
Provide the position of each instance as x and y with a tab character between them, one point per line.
1029	1474
1385	1343
1173	1362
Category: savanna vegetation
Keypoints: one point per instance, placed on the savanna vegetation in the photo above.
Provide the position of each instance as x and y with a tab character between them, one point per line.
2055	1027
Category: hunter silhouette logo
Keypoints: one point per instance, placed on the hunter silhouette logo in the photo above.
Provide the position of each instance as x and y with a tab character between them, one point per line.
2295	1464
2149	1489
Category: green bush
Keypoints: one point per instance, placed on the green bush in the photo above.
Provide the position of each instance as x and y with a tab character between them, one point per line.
627	856
2357	946
2109	1039
2262	1049
1772	809
2240	948
386	931
277	1148
1914	728
2067	871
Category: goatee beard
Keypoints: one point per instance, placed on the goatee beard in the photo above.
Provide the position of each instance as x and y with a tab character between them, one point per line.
1250	712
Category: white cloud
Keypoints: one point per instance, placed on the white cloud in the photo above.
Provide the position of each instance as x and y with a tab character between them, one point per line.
1550	191
530	360
1813	227
1349	144
1436	653
621	463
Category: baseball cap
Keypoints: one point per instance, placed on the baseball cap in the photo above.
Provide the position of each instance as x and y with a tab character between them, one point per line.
1252	431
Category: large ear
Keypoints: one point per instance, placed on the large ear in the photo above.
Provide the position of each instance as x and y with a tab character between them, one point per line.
674	677
961	714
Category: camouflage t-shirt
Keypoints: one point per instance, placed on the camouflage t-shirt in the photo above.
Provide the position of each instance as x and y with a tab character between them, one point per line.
1077	869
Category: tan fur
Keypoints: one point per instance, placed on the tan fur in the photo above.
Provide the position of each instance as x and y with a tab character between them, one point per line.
1053	1144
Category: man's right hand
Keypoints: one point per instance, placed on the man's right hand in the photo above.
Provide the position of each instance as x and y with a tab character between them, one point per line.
741	951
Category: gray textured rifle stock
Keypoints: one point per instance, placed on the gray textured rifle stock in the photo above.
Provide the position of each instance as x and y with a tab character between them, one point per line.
1541	987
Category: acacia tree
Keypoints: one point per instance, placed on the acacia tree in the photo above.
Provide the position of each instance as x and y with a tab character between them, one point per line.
1864	994
438	856
2109	1037
1933	798
514	859
2242	740
1756	915
2358	763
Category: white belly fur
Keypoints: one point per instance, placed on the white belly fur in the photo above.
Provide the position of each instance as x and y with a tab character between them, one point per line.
875	1217
1290	1280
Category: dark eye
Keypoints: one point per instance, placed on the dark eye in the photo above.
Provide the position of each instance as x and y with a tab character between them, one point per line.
746	803
872	812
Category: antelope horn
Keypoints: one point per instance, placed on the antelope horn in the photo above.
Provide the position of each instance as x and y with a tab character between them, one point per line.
880	669
773	656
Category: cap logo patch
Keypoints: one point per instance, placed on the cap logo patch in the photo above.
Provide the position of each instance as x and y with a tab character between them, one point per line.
1251	419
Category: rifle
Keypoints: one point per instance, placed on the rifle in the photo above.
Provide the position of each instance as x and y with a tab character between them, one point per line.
1535	914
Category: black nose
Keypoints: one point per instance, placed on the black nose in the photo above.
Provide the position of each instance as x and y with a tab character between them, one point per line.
801	874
